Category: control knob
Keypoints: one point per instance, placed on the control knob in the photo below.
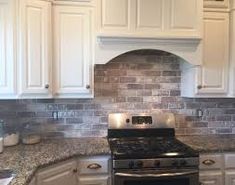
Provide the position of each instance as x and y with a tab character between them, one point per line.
156	163
174	163
183	163
131	164
139	164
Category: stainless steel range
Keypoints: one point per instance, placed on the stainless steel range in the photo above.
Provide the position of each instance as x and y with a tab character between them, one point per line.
145	151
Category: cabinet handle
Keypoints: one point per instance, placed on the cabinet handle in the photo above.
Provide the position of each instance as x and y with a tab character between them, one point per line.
47	86
199	87
88	86
75	170
208	162
94	166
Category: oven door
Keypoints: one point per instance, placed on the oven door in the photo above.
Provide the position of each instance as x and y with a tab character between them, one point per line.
156	177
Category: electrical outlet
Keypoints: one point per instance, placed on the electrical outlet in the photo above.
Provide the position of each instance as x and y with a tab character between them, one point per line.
55	115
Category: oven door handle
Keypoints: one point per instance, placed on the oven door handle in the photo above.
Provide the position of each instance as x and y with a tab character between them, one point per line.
164	174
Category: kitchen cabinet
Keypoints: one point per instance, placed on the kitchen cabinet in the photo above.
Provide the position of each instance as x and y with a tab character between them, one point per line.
232	50
211	169
27	70
213	74
212	77
216	4
230	169
93	180
34	48
8	87
217	169
211	178
59	174
92	170
73	51
152	18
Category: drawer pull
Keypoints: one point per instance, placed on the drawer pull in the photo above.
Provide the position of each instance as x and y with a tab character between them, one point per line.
94	166
75	170
208	162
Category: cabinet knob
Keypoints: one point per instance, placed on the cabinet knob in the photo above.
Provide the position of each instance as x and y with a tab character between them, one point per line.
47	86
208	162
88	86
94	166
75	170
199	87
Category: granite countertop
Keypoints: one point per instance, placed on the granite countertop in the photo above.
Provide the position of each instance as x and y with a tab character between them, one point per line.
26	159
210	144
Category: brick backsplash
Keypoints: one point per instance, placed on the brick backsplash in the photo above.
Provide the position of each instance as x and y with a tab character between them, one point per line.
143	81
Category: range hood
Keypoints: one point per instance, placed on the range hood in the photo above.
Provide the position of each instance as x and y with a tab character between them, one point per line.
108	47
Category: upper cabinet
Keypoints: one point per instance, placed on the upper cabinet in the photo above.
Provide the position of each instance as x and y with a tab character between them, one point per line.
34	48
151	18
212	78
45	53
216	3
73	51
213	74
8	73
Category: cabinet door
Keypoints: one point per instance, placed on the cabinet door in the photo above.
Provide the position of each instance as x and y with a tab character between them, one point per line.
184	18
61	174
230	177
211	178
115	16
213	75
149	16
34	51
7	50
94	180
73	44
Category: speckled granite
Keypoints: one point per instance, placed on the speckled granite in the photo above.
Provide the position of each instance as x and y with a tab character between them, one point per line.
25	160
211	143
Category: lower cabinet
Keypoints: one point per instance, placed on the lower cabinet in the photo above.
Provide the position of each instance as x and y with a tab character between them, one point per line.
230	177
211	178
217	169
92	170
59	174
94	180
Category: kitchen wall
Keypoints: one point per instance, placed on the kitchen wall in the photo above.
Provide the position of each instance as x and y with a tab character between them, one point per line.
142	81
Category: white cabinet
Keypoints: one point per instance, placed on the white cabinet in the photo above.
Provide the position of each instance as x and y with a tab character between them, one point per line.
232	51
94	170
73	51
212	77
34	48
229	169
59	174
211	178
216	4
211	169
8	73
230	177
93	180
151	18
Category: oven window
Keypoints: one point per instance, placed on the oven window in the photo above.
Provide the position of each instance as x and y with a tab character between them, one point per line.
181	181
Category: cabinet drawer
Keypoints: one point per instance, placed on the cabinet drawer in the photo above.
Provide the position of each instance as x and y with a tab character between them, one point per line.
211	161
96	165
216	3
229	160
